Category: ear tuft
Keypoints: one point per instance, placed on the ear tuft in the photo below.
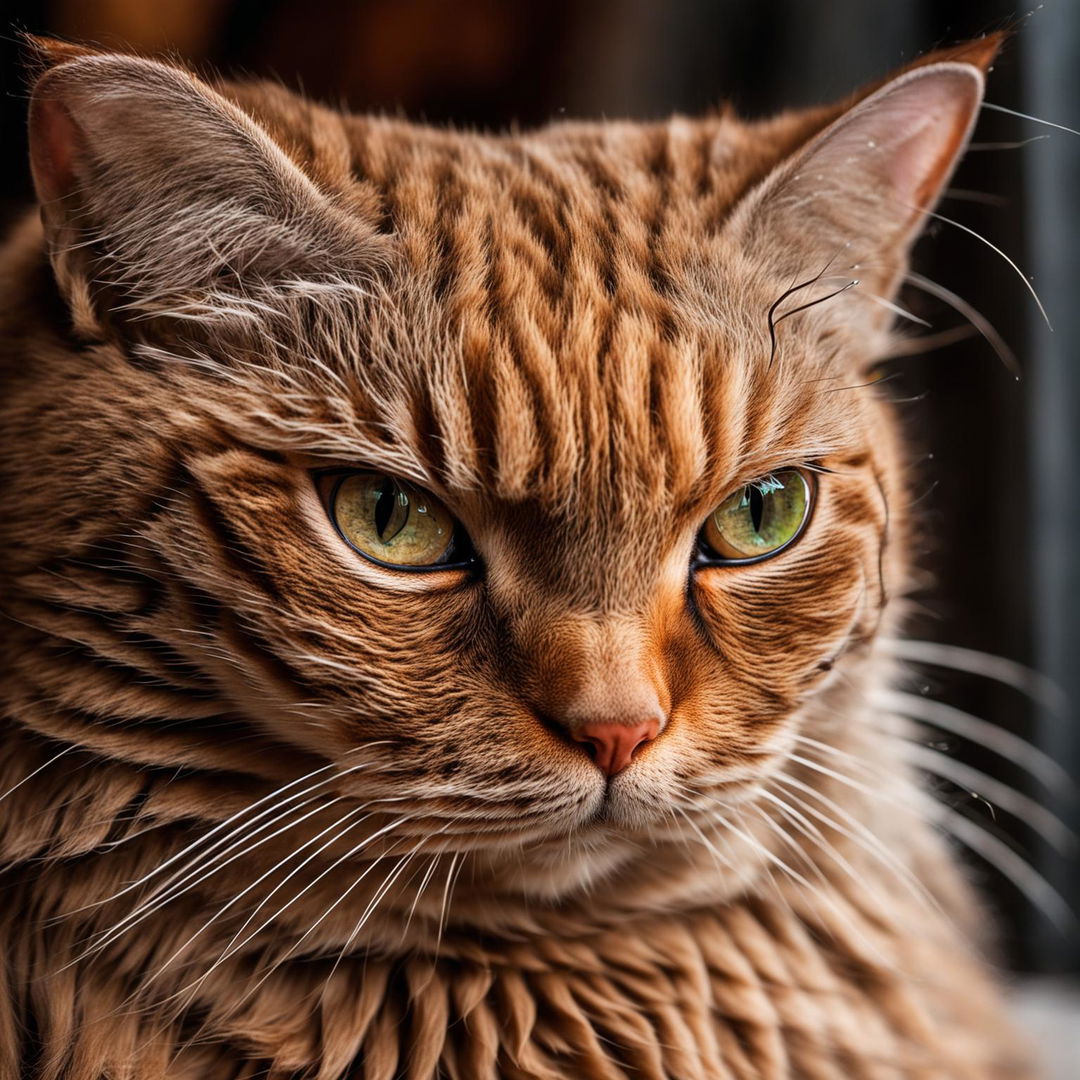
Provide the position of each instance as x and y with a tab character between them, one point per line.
979	52
43	53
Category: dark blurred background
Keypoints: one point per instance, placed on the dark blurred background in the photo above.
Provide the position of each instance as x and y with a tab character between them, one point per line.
998	458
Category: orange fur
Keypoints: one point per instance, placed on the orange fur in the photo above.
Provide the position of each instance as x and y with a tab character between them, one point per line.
272	810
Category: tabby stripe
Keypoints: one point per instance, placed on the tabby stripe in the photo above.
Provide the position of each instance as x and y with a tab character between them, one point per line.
246	641
609	189
232	549
449	199
703	159
118	650
158	747
544	229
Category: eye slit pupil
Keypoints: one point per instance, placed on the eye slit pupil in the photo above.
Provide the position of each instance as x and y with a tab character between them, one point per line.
387	493
757	507
757	520
393	523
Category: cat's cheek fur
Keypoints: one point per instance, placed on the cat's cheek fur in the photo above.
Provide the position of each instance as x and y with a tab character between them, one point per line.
791	623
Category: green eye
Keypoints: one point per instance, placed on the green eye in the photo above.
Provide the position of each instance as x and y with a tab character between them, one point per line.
759	519
395	523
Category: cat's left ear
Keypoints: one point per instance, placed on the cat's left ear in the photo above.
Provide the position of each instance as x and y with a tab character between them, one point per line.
858	193
167	208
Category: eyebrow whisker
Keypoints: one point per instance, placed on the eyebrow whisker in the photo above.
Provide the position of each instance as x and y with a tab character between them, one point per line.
771	314
821	300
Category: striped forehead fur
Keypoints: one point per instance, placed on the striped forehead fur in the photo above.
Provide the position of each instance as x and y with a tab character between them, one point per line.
486	356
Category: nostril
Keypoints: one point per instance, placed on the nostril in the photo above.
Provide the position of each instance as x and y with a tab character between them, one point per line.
613	746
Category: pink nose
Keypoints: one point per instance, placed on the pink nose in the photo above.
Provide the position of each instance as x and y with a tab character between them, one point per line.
613	746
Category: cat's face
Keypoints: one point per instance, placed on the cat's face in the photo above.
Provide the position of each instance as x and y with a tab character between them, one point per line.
568	342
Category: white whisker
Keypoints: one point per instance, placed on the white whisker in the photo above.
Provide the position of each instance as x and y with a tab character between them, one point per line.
233	818
1014	144
456	862
1033	119
192	988
999	855
993	247
1024	679
860	835
236	897
156	902
373	903
981	732
433	865
1024	809
30	776
351	853
973	316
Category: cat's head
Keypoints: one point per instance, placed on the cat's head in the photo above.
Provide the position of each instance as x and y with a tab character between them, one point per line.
524	479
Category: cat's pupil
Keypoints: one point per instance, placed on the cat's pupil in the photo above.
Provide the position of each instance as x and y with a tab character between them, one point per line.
757	508
385	499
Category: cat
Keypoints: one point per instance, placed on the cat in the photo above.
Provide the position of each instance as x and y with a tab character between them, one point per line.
451	580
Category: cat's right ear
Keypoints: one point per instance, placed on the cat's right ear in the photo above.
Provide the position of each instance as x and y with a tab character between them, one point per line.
852	200
162	200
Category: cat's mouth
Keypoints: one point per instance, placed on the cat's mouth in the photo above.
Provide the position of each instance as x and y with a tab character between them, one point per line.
626	803
603	813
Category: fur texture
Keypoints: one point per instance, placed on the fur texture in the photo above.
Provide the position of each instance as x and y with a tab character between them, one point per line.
274	810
